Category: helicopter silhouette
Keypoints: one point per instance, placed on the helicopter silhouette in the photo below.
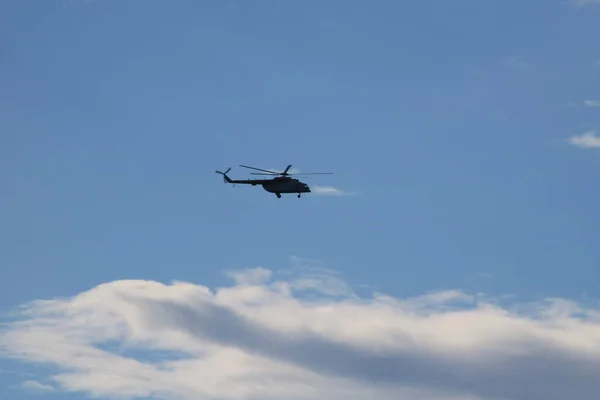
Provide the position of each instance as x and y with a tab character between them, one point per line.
281	183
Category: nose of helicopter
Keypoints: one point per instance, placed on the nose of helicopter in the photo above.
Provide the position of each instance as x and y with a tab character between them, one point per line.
306	188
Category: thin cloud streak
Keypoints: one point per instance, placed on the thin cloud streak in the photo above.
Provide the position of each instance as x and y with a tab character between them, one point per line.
587	140
518	63
36	386
584	3
591	103
328	191
263	338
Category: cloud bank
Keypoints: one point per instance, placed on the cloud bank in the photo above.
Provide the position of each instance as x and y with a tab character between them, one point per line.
587	140
306	338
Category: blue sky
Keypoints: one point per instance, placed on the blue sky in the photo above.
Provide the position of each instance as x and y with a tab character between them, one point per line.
461	134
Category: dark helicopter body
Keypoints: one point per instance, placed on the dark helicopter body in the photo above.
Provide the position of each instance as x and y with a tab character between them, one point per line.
277	185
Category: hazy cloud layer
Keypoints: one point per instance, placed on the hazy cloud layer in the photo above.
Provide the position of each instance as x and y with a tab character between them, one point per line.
266	338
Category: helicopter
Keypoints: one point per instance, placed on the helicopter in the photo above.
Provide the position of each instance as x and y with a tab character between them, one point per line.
281	183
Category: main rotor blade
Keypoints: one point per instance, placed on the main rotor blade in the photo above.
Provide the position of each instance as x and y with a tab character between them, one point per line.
259	169
307	173
300	173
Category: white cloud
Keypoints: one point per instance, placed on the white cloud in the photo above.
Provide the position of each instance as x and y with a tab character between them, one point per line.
591	103
586	140
259	339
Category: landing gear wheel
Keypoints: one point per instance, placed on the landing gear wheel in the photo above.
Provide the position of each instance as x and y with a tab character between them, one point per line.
278	195
298	195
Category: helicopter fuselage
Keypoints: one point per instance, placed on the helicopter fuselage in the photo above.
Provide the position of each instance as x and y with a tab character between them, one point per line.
278	185
285	186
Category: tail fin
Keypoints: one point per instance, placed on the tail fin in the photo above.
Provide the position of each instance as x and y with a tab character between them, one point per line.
226	179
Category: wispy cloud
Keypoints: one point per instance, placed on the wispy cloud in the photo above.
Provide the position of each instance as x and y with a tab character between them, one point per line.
36	386
518	63
328	191
72	2
591	103
311	275
584	3
586	140
260	339
250	277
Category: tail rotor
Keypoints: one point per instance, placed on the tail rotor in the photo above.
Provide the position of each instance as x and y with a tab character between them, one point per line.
224	174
